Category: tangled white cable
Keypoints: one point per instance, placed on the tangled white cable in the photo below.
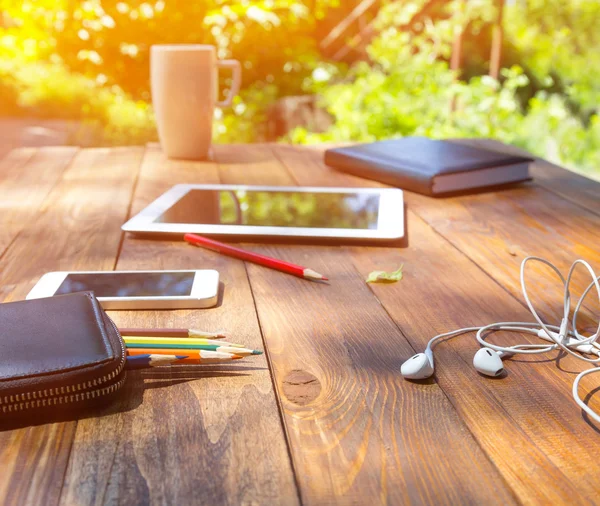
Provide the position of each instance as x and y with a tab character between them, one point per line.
564	336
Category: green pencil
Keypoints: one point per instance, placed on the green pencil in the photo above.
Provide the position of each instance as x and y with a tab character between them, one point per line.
207	347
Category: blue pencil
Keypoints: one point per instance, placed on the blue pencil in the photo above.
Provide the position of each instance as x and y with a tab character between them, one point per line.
148	360
145	361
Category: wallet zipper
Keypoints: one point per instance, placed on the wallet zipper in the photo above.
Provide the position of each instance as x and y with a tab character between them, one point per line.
74	393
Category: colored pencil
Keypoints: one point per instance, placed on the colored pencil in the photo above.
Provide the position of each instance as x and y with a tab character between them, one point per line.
172	333
272	263
149	360
243	352
158	346
178	340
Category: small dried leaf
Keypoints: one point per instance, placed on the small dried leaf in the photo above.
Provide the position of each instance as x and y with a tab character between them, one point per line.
385	277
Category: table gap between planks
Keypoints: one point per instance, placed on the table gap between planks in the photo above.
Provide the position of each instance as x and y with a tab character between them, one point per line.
323	417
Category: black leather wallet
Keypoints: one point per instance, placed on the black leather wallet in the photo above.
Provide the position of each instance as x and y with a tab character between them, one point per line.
56	354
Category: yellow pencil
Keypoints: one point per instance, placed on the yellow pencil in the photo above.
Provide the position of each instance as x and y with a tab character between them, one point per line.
177	340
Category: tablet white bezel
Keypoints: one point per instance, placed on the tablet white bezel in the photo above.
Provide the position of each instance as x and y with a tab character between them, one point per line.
390	223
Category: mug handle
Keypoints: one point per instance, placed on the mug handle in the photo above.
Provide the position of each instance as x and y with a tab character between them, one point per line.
236	69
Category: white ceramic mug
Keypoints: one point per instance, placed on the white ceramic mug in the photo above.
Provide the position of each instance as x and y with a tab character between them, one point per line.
184	82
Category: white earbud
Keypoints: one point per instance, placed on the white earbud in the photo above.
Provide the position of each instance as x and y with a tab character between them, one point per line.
489	362
419	366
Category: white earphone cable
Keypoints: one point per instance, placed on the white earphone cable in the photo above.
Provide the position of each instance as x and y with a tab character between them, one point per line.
578	400
560	336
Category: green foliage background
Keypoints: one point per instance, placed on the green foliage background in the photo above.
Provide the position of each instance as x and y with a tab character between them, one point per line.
547	101
88	60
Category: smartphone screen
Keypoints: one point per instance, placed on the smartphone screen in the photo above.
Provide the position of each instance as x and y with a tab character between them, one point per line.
130	284
275	209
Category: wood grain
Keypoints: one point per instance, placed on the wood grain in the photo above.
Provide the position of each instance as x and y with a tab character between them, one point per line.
33	463
361	438
571	186
442	289
560	224
76	227
183	435
26	177
512	418
497	231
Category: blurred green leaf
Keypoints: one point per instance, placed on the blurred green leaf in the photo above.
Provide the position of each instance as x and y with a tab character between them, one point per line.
385	277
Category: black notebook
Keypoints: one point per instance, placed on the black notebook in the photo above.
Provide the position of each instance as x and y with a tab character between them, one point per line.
427	166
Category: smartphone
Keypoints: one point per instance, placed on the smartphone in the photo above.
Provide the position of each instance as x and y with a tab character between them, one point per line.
135	289
221	210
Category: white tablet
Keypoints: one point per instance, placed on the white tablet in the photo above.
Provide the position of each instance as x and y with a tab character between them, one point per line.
358	213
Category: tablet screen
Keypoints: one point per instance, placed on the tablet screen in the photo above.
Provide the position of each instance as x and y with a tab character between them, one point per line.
274	209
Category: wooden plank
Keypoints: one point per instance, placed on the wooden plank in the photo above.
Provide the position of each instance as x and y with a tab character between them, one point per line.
33	463
184	435
497	230
541	219
14	159
527	220
353	431
250	164
574	187
26	177
512	419
77	227
5	150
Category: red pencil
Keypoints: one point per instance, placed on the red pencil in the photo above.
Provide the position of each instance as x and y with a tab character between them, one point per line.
273	263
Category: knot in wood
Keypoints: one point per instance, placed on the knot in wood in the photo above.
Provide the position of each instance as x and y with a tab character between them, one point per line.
301	387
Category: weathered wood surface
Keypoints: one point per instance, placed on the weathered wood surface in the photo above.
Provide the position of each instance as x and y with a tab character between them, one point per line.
76	227
26	177
443	289
351	443
181	435
324	417
569	185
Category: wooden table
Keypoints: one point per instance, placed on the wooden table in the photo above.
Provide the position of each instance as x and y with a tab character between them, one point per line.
324	417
